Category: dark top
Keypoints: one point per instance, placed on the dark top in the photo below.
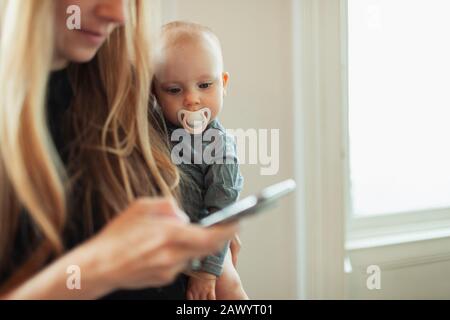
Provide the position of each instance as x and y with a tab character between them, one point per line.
59	96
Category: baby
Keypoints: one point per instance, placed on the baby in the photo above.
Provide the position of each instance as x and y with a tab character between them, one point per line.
189	86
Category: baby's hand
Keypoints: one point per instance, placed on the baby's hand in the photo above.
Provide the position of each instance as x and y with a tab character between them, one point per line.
201	286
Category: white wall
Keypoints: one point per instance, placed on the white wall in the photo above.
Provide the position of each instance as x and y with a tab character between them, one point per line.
256	40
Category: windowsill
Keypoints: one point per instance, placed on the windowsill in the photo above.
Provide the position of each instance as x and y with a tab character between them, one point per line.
402	228
394	239
400	251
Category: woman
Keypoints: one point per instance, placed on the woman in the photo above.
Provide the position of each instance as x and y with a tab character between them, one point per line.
85	173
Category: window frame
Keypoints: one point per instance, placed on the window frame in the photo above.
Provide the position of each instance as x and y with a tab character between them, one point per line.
318	130
386	228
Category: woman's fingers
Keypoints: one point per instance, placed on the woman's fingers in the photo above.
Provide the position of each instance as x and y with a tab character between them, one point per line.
163	241
200	241
181	266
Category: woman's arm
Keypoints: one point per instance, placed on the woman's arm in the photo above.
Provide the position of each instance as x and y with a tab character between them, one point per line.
147	245
51	283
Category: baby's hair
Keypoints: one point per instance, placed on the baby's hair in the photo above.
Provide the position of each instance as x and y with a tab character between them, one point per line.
178	32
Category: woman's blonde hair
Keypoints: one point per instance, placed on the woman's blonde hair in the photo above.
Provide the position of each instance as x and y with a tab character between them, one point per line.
117	152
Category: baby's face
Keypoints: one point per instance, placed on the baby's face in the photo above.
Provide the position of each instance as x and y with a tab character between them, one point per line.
190	76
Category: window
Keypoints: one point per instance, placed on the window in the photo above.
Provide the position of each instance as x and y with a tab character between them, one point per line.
399	105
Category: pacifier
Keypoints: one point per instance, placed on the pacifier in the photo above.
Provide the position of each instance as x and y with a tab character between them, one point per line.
194	122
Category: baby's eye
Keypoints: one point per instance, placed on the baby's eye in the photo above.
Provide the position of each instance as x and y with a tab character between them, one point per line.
173	90
205	85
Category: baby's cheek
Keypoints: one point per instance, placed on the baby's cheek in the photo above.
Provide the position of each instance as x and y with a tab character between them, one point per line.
216	109
173	118
170	113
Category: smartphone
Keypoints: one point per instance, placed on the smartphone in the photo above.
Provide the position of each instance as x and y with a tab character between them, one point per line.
250	205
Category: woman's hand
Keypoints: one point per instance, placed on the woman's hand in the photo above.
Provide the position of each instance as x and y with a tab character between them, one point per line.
151	242
147	245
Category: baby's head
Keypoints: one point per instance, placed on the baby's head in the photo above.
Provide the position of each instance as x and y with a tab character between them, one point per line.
189	75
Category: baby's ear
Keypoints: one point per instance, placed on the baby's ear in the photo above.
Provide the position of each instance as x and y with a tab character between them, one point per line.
225	78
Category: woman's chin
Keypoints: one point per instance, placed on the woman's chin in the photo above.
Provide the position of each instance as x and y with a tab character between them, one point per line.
83	55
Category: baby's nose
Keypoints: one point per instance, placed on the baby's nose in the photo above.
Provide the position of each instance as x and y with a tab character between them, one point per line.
191	101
